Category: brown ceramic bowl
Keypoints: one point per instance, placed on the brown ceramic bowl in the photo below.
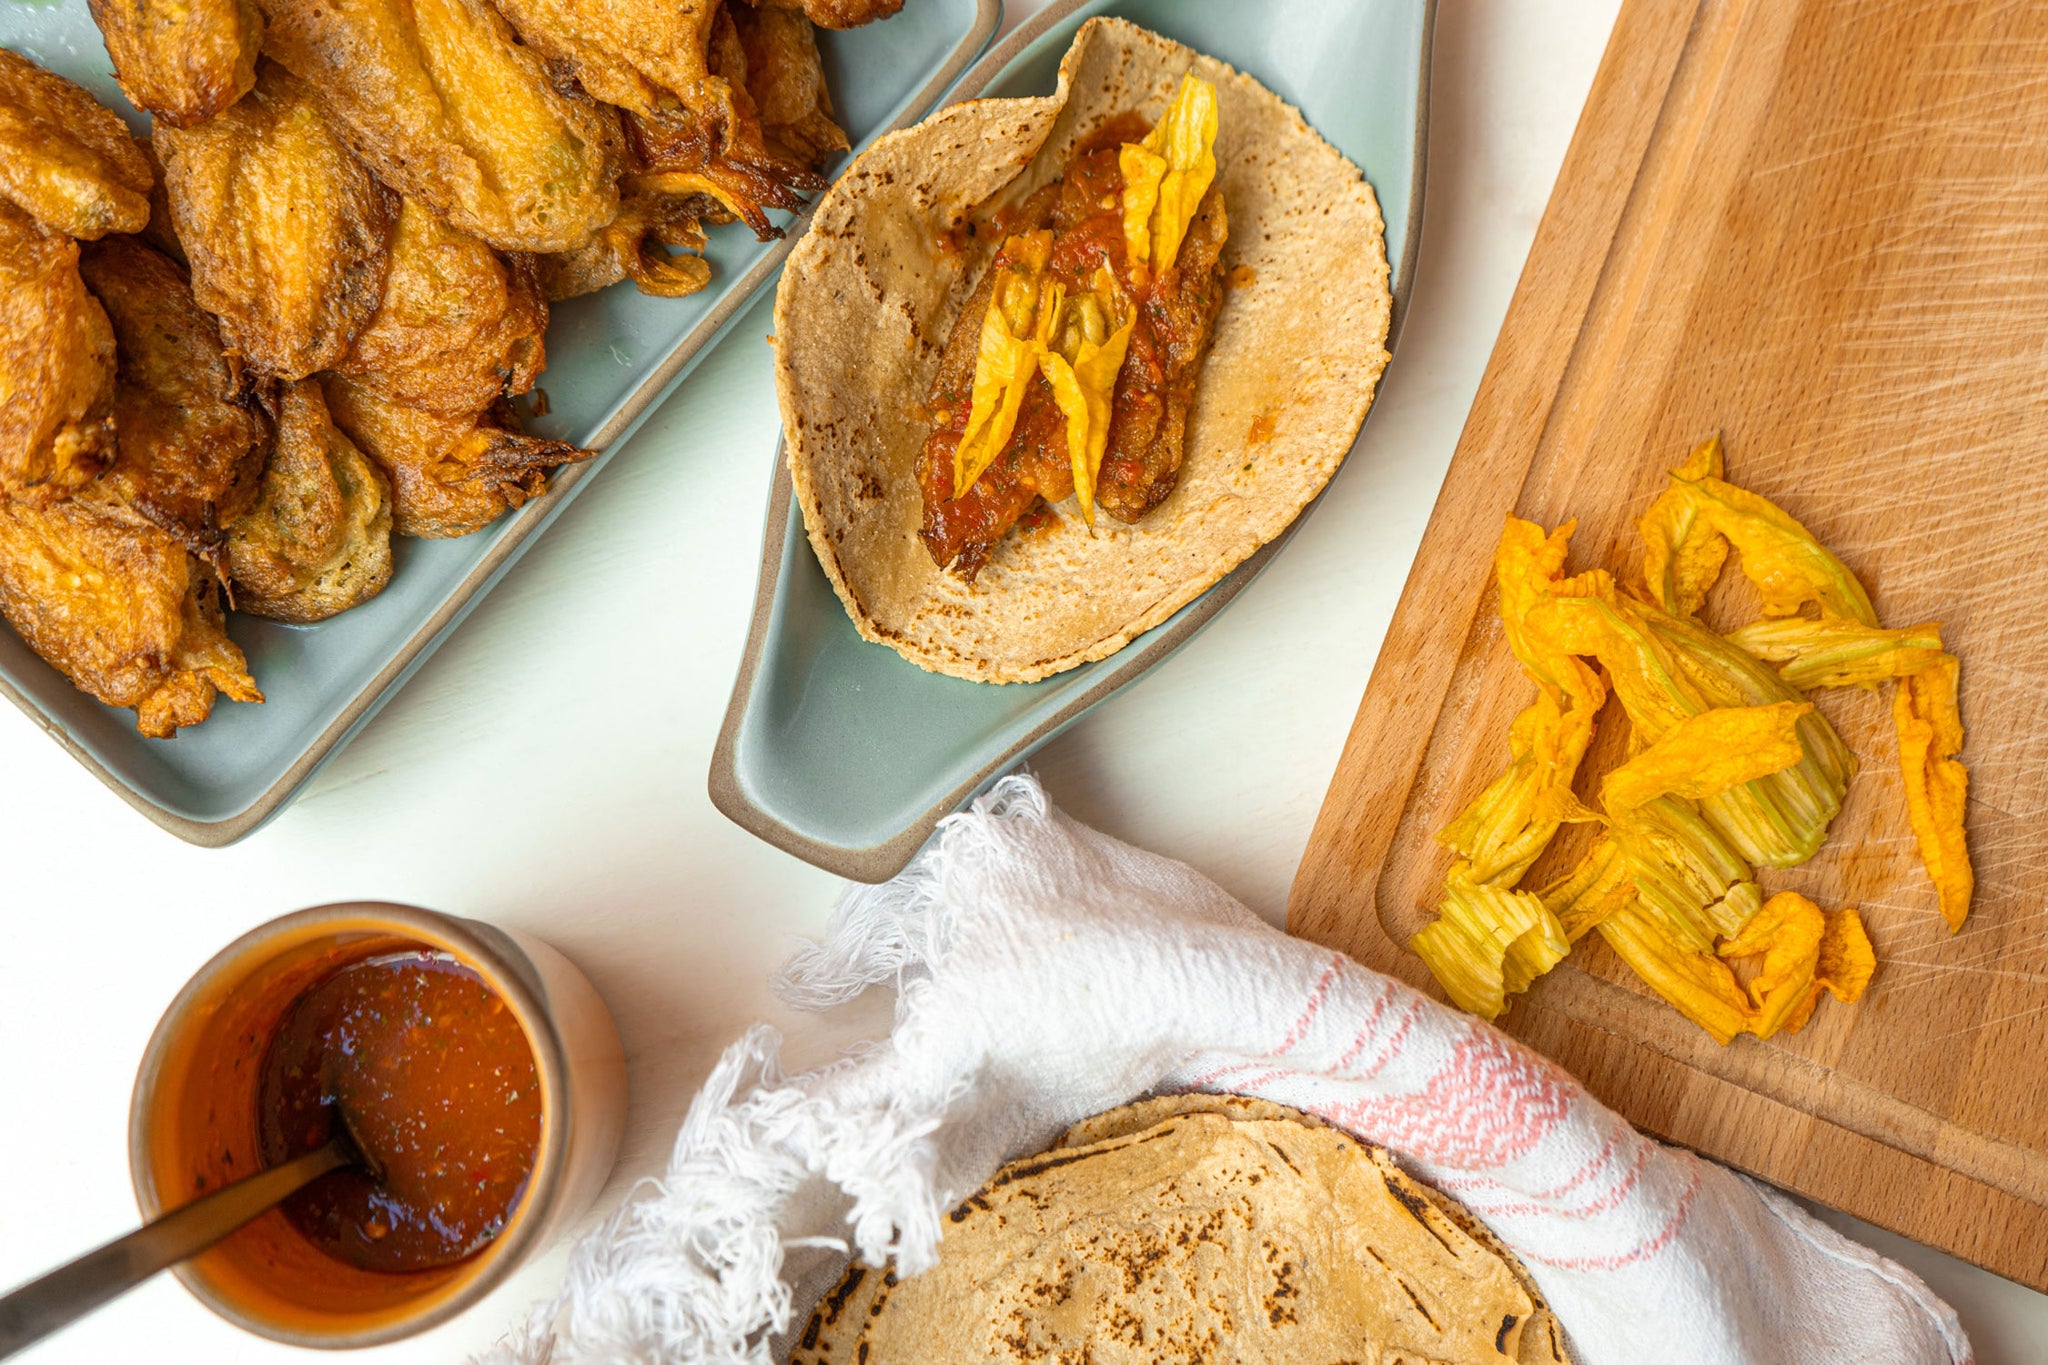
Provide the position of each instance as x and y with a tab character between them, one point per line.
193	1123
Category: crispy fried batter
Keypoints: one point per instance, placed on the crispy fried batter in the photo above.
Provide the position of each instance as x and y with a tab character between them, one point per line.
56	364
679	73
449	476
160	232
287	232
448	109
66	158
318	540
122	610
459	326
633	246
837	13
182	60
423	392
638	56
189	445
785	77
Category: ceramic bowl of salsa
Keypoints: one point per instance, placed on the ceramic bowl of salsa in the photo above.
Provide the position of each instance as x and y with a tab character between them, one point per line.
477	1068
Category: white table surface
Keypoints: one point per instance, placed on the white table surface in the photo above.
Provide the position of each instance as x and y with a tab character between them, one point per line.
546	769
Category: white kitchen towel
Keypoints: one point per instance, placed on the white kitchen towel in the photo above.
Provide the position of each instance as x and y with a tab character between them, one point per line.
1046	972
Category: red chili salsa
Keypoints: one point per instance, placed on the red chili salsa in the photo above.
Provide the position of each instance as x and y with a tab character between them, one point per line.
1176	309
442	1094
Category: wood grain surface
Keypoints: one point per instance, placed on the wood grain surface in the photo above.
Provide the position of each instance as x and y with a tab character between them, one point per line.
1821	228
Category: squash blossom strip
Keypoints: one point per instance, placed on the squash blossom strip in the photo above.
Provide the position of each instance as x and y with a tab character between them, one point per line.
1077	343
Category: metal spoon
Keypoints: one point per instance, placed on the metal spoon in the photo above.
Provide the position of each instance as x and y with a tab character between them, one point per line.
71	1291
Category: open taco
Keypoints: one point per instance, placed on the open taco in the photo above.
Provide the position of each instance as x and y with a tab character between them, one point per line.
1051	367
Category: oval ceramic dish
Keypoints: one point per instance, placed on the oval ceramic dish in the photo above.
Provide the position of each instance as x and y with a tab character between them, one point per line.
611	357
846	755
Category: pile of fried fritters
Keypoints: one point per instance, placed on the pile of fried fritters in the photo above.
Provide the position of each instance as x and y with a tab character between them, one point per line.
304	304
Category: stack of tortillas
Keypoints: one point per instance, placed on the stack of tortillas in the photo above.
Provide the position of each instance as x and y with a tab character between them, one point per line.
1197	1228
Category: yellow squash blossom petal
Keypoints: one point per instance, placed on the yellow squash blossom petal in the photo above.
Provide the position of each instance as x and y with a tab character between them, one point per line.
1930	728
1081	366
1683	870
1143	171
1832	652
1682	553
1707	754
1184	142
1488	943
1006	358
1789	567
1528	567
1804	952
1600	885
1507	826
1699	985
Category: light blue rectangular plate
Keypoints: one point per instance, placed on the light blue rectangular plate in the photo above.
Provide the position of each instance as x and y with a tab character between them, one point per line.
611	357
846	755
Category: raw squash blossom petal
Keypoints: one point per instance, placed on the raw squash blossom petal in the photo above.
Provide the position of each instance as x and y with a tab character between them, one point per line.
1507	826
1781	557
1930	727
1699	985
1600	885
1832	652
1682	552
1707	754
1166	175
1007	358
1804	952
1489	942
1080	364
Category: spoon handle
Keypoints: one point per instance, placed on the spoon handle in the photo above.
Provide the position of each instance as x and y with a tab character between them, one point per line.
71	1291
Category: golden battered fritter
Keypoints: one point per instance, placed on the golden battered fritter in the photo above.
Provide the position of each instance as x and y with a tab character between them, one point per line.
678	71
188	442
446	108
318	540
122	610
66	158
56	365
837	13
785	77
459	326
182	60
449	475
287	232
633	246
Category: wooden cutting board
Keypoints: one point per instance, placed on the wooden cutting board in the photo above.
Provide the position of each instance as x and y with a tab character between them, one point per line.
1821	228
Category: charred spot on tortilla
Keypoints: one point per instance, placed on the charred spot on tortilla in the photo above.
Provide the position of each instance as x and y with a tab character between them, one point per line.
835	1302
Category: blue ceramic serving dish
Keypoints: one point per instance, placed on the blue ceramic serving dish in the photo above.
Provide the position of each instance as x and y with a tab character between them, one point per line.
611	357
